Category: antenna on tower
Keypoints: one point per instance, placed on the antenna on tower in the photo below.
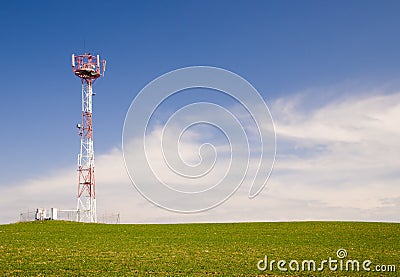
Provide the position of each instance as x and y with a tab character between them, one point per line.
88	68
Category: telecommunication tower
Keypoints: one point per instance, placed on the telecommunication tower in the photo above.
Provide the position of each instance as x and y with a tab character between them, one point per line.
88	68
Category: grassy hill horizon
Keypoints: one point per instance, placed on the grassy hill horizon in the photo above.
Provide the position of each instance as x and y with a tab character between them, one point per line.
60	248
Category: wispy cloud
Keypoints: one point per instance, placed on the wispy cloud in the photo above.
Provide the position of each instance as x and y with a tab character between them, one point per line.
343	154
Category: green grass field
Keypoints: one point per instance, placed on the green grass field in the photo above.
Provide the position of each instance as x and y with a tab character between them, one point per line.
56	248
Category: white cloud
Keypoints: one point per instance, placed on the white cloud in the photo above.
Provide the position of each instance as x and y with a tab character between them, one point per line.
337	161
343	154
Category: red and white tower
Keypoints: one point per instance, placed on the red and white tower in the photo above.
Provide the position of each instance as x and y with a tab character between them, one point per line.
88	68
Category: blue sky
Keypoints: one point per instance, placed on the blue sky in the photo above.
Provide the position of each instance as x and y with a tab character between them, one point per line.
308	59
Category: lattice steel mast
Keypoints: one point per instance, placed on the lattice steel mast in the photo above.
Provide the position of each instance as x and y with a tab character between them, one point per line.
88	68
